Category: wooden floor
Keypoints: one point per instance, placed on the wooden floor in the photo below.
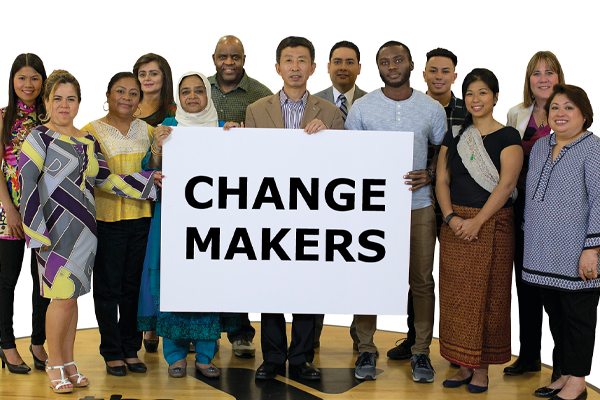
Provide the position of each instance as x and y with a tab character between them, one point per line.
336	358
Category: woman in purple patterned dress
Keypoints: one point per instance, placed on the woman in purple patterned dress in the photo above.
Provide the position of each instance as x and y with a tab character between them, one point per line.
58	170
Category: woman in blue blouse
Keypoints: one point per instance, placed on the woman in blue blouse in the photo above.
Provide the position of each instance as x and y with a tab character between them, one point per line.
179	329
562	235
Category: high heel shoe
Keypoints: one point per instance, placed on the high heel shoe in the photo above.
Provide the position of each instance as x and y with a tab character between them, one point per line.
14	368
82	381
62	385
37	363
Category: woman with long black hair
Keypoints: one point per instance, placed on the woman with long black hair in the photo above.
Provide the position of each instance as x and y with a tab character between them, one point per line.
25	105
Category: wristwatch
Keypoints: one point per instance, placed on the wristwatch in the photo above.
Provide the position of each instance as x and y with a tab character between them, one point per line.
448	218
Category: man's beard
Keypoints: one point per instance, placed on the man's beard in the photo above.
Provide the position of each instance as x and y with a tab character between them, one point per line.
404	79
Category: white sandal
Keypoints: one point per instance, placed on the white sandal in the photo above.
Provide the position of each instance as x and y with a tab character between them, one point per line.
60	387
80	378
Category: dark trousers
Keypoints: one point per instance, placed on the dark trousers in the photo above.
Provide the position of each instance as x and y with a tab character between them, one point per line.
531	312
572	317
246	331
274	338
11	260
117	278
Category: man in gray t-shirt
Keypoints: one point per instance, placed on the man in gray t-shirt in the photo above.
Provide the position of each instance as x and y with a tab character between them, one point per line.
398	107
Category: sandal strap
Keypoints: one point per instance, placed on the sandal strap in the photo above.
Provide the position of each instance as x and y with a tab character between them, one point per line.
63	381
77	374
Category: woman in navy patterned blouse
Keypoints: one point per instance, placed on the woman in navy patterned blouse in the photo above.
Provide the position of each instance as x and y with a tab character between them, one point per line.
562	235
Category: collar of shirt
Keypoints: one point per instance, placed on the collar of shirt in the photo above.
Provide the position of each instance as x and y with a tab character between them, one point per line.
573	143
349	96
243	84
452	104
284	99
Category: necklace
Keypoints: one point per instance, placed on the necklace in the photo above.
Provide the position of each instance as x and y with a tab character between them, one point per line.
471	144
77	131
537	113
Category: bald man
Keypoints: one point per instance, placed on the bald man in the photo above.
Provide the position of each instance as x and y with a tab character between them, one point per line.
232	89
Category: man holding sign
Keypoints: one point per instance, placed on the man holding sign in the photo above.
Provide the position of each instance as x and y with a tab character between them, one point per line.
292	108
398	107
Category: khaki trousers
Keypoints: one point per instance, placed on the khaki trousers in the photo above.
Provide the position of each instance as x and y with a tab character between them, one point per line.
422	247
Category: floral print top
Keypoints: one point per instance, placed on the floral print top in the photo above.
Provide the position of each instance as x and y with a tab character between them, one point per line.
26	120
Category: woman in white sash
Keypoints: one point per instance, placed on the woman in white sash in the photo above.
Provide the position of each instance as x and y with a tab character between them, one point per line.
478	168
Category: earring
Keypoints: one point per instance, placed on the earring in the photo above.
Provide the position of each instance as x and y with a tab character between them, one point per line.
105	109
139	113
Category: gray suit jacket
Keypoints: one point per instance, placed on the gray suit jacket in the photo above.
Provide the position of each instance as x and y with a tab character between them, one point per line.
327	94
266	113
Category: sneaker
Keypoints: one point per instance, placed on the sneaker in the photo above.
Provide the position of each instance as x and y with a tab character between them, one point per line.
365	366
243	348
401	351
422	370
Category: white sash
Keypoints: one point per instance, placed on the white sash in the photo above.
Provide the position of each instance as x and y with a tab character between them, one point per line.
476	159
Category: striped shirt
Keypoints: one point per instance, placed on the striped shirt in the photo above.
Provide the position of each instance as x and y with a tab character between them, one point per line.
292	111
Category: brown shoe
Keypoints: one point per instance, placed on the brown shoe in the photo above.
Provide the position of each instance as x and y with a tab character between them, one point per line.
210	371
178	369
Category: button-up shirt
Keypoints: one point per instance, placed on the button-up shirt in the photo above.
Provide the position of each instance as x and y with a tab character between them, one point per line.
349	96
292	111
231	106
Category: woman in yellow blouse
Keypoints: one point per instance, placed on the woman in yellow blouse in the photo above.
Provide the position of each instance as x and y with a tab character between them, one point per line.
123	226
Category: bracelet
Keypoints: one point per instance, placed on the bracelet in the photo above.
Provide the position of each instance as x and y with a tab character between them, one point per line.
449	218
154	151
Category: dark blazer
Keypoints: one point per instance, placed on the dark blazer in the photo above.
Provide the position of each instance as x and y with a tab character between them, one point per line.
266	113
327	94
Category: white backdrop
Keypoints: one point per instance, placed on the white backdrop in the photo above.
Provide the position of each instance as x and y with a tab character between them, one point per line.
94	40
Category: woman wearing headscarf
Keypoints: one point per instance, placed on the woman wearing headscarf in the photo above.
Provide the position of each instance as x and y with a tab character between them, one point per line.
194	109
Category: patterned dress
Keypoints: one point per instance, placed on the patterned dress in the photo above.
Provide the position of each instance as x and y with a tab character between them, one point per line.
26	120
57	174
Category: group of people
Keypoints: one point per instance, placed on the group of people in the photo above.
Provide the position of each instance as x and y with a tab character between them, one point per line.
525	193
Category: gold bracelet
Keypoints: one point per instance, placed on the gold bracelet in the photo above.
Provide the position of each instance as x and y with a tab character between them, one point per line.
154	151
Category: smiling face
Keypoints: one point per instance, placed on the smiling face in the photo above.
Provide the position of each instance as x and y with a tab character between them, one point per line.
28	85
542	80
480	99
150	77
64	105
439	75
124	97
295	67
192	94
343	69
394	66
565	117
229	60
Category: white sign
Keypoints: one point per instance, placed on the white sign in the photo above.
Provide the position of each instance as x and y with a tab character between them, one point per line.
275	220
